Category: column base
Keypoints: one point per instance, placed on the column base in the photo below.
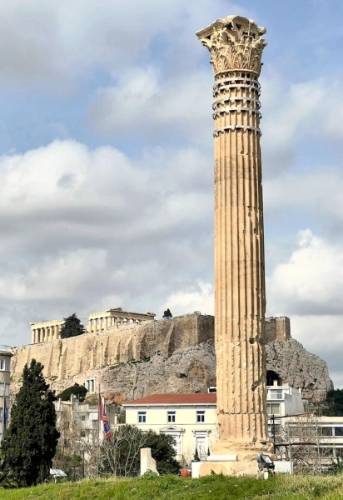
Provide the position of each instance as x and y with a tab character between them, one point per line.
232	459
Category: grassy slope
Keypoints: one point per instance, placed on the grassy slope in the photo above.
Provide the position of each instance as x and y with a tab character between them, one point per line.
172	487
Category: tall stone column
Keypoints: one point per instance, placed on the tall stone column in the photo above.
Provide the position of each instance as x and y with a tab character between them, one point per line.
236	46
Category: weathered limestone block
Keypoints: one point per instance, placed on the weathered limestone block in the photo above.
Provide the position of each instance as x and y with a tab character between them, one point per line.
277	329
148	464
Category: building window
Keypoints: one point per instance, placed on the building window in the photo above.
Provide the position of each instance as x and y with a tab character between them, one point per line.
171	417
200	416
142	417
339	431
326	431
275	394
273	409
2	365
83	417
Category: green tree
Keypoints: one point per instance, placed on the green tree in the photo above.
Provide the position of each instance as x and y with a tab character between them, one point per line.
72	327
334	403
77	390
163	451
30	442
121	454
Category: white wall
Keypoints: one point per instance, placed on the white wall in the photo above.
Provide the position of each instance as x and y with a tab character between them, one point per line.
186	431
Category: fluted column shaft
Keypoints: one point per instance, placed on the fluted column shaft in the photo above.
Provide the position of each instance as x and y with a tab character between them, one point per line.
239	258
236	46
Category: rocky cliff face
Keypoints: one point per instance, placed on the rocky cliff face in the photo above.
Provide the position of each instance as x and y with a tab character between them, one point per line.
162	356
299	368
193	369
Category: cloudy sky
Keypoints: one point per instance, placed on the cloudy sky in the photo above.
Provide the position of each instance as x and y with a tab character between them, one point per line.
106	171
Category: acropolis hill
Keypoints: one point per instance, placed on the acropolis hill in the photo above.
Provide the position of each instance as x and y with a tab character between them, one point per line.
175	355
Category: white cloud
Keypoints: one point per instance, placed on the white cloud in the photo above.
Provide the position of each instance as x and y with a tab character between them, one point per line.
294	113
146	104
153	104
322	335
308	286
311	280
196	298
315	331
58	41
82	226
55	278
315	191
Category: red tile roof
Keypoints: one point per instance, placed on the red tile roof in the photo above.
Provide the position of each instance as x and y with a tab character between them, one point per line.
176	399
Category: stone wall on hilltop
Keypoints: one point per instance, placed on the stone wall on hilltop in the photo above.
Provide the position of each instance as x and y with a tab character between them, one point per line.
77	358
174	355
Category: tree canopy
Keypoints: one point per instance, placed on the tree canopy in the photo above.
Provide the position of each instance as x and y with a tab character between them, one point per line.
121	454
79	391
72	327
334	403
30	442
167	314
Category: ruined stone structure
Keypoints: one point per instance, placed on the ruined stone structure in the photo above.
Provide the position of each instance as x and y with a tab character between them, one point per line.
236	46
277	329
101	322
78	358
46	331
174	355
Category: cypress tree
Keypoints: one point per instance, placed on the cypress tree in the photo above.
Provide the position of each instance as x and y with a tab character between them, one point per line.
30	442
72	327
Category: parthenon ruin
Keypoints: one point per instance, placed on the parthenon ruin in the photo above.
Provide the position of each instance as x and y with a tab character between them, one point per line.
101	322
46	331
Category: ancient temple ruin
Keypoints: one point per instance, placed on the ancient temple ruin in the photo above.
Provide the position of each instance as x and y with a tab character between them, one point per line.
236	45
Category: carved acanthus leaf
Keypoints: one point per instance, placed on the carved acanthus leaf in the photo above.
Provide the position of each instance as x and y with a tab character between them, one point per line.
235	44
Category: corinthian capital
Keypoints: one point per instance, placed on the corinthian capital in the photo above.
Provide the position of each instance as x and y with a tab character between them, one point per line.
235	43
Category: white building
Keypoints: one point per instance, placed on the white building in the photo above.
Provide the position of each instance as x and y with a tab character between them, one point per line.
323	434
282	401
189	418
77	422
